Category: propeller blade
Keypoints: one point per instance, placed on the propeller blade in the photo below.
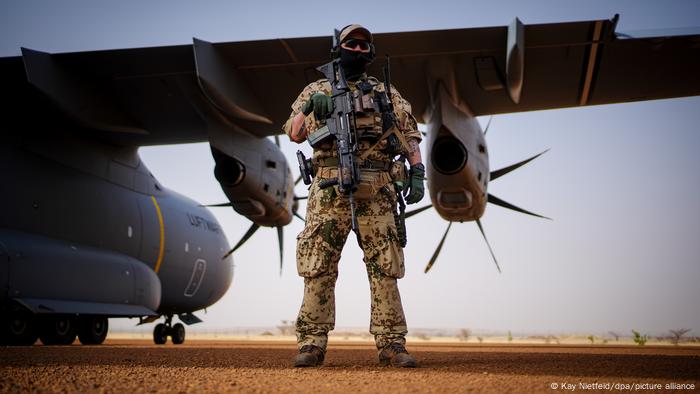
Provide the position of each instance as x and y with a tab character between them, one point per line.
297	181
280	239
300	217
277	140
418	210
481	228
246	236
499	173
488	125
497	201
223	204
437	250
297	198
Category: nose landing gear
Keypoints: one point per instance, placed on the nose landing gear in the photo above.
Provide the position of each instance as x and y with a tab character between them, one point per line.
164	330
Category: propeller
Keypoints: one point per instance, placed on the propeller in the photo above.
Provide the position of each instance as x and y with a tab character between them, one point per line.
499	173
490	198
488	125
481	228
254	227
497	201
438	249
418	210
224	204
280	239
246	236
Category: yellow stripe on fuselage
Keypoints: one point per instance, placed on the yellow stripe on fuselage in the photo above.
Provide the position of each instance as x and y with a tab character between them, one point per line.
161	248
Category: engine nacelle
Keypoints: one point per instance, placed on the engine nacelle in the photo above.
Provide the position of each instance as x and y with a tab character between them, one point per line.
458	169
256	178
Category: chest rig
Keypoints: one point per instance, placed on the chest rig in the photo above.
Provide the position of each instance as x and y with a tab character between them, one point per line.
373	119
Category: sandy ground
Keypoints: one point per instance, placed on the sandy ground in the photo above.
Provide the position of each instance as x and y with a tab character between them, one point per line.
255	366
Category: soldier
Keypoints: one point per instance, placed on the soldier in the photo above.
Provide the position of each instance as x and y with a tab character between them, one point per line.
328	212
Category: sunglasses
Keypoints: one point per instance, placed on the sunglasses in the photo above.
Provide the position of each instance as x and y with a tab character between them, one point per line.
354	43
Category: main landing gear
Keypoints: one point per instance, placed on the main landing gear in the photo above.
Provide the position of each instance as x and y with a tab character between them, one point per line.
22	328
164	330
62	329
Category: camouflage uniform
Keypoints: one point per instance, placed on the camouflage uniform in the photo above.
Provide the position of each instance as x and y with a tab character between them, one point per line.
320	244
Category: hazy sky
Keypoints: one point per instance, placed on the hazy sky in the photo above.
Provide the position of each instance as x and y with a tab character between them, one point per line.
621	181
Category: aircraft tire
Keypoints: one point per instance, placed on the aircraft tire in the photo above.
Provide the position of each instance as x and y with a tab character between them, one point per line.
160	334
178	334
58	330
18	328
92	330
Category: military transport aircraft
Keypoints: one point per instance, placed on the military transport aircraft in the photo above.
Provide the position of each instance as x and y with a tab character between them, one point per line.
87	232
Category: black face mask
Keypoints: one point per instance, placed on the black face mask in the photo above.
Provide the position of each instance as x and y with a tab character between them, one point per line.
354	63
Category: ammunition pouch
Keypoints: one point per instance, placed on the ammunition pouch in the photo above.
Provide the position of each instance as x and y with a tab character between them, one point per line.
320	136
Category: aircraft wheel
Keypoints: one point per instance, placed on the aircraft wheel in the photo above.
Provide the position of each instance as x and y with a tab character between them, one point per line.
58	330
18	329
92	330
178	334
160	334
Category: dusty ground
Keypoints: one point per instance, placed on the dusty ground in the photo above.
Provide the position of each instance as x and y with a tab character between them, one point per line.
216	366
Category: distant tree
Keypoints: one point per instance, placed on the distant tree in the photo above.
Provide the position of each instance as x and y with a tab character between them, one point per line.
677	334
480	339
464	334
614	335
510	336
591	338
639	339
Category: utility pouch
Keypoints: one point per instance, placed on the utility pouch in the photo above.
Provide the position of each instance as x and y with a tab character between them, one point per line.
319	137
363	102
371	182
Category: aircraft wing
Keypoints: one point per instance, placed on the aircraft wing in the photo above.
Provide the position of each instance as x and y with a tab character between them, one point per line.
163	95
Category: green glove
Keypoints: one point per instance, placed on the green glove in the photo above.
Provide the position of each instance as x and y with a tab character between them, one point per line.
415	189
320	104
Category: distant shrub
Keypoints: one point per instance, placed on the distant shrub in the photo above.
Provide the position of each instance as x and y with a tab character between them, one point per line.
591	338
480	339
639	339
464	334
510	336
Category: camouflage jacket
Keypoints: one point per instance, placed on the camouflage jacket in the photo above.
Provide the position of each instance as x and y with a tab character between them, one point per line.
402	109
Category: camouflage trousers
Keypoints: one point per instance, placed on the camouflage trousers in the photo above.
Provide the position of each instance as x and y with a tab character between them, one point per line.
319	245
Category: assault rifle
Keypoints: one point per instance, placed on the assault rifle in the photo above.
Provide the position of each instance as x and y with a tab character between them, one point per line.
341	125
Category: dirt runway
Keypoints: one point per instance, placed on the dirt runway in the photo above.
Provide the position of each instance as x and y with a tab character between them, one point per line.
220	366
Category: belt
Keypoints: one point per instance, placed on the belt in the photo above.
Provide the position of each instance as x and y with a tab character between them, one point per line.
366	165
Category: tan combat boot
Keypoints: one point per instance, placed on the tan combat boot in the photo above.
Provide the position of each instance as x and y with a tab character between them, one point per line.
396	355
309	356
